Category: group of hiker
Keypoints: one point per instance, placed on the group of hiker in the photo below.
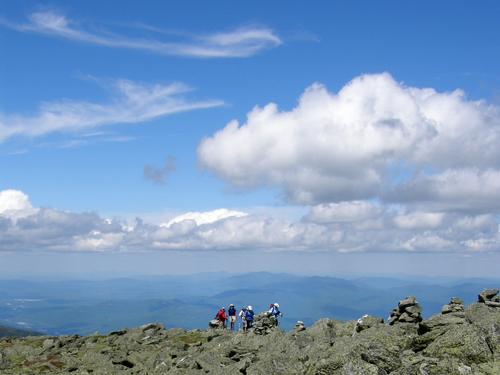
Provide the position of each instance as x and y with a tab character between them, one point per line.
246	316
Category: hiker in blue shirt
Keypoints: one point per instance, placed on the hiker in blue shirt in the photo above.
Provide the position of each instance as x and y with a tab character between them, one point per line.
249	317
232	316
274	310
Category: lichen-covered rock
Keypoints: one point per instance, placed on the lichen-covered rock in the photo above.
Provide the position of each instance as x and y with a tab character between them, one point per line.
367	321
463	342
487	320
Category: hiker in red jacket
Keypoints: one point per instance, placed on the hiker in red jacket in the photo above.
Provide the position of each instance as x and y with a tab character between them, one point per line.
222	317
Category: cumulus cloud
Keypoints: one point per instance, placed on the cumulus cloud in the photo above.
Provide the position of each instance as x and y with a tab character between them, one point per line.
15	204
360	227
342	212
133	103
419	220
240	42
159	175
469	190
350	145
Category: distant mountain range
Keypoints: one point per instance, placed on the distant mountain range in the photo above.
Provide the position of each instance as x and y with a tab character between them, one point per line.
14	332
82	307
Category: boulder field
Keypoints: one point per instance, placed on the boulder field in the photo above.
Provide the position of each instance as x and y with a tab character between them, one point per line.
461	340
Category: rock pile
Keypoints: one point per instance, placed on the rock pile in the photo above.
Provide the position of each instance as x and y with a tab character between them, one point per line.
408	311
489	297
455	307
264	323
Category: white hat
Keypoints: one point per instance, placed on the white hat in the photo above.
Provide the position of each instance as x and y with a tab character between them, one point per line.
231	305
277	305
250	308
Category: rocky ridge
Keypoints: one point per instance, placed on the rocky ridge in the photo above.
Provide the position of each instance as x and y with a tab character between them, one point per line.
461	340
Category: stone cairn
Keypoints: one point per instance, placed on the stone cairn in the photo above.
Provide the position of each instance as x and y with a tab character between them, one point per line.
455	307
408	311
489	297
264	323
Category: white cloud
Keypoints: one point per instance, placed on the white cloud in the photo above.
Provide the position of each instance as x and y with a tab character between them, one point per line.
428	242
479	223
133	103
353	211
206	217
350	145
467	190
419	220
356	227
97	241
240	42
15	204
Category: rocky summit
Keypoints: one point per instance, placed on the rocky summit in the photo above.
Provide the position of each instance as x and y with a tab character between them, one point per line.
461	340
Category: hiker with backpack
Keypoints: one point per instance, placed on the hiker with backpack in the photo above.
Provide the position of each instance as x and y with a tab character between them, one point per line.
274	310
249	314
222	317
232	316
242	315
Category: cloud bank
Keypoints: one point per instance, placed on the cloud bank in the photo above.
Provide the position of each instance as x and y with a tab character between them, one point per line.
132	103
240	42
358	226
374	139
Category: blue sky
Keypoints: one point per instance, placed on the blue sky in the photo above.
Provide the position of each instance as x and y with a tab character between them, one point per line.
111	112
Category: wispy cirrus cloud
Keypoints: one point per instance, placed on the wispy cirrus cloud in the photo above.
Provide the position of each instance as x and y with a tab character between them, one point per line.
132	103
240	42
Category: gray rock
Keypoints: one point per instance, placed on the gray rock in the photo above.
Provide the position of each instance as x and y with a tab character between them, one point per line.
407	302
487	295
455	307
463	342
367	321
492	304
456	301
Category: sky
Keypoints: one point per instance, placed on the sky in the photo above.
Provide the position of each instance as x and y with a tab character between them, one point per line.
336	138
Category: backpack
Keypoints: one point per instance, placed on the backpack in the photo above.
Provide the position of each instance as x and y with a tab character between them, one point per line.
249	315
